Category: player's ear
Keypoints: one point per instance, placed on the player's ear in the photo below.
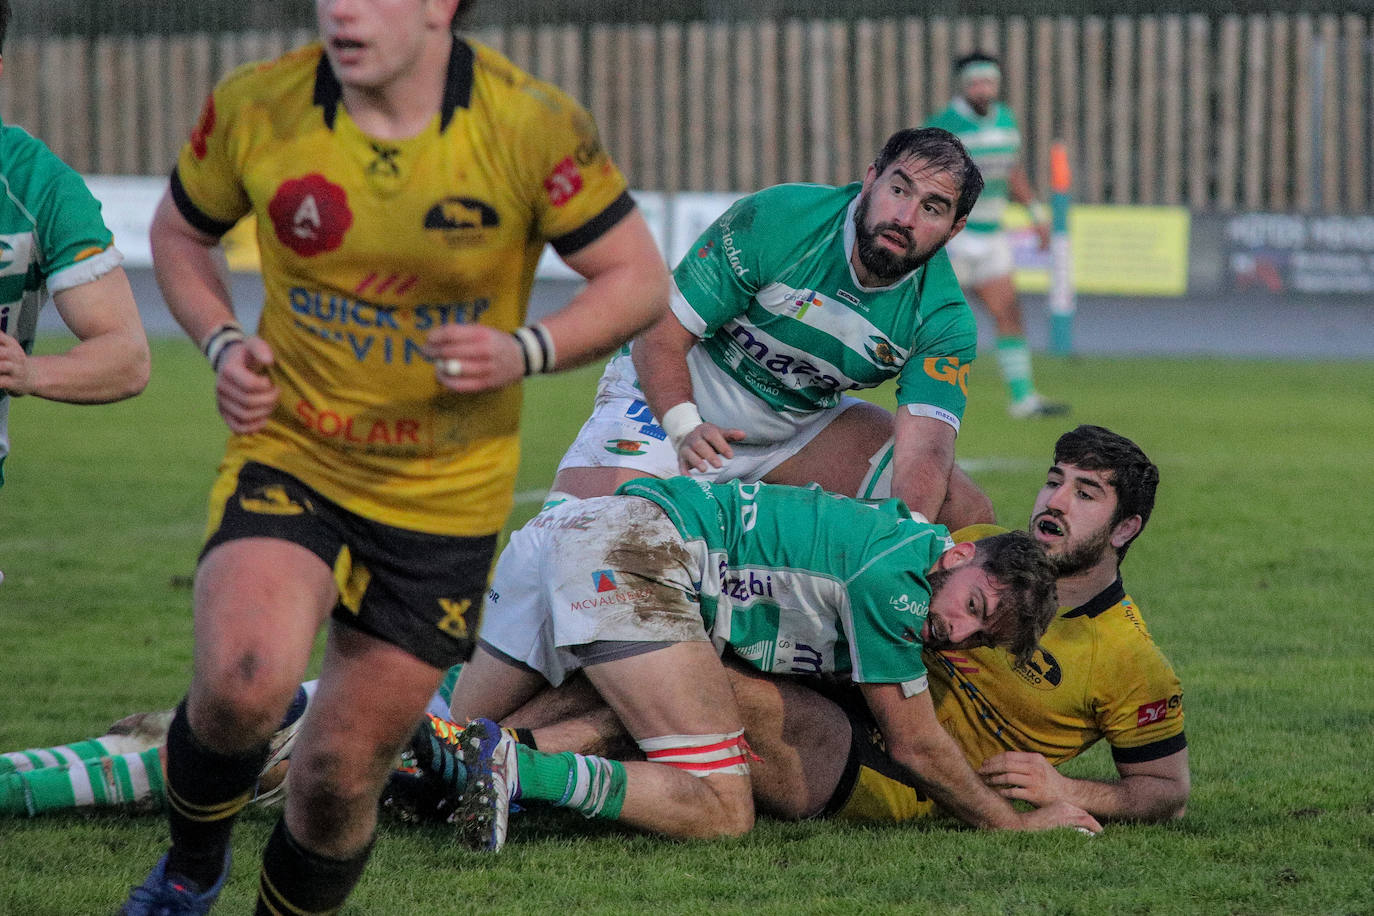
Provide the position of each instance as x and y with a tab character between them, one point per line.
1124	530
957	556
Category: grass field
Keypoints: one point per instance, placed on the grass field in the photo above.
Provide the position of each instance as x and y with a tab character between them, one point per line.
1255	576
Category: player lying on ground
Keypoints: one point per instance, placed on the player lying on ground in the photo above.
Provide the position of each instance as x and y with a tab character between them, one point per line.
1095	674
642	590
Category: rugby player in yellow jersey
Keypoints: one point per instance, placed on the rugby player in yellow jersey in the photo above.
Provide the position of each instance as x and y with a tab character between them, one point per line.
405	180
1097	674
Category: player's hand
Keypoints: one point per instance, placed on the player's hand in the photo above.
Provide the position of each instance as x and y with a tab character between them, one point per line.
706	447
1042	232
1023	775
244	393
1060	814
485	358
15	377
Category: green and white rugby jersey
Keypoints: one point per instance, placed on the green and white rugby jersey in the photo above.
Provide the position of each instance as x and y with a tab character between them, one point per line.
801	581
769	289
51	238
994	142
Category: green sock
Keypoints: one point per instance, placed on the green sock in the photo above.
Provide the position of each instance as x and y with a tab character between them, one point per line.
594	786
1014	358
119	780
446	685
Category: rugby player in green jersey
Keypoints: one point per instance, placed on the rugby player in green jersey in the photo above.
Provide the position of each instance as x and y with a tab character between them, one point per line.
796	296
54	242
982	255
641	591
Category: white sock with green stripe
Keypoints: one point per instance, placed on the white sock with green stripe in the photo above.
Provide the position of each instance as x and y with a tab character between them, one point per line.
121	779
39	758
1014	358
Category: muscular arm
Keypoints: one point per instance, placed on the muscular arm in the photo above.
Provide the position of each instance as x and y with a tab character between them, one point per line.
189	272
922	458
193	282
916	741
1156	790
109	364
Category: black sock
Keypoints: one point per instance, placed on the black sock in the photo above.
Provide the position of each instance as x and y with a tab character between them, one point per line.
296	880
205	792
525	736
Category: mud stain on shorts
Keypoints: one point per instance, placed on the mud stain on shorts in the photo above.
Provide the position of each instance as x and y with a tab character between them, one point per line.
652	560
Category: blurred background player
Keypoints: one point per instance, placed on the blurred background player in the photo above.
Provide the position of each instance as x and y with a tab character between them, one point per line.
405	181
795	296
982	254
55	243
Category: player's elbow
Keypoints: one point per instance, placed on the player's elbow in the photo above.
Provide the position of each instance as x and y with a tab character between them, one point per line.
130	376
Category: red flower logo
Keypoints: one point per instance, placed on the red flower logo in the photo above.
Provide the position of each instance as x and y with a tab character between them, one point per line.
310	215
202	131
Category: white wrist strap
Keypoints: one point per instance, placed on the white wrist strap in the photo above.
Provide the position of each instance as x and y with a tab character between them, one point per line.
536	343
219	340
679	420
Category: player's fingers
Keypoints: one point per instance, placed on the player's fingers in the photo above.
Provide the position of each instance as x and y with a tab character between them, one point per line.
735	435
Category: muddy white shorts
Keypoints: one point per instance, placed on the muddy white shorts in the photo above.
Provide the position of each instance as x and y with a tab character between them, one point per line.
607	569
980	256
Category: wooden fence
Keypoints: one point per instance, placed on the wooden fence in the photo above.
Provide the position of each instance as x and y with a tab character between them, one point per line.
1230	113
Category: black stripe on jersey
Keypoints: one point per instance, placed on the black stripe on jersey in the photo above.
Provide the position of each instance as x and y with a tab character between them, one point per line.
193	214
457	85
595	227
1109	597
1147	752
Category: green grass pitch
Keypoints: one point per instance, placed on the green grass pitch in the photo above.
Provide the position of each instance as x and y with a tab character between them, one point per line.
1255	575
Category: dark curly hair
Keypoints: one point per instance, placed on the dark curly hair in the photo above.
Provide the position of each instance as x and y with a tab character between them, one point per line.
1024	579
1133	475
943	152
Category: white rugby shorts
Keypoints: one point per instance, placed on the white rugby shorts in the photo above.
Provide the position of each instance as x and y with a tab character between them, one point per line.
980	256
611	568
622	431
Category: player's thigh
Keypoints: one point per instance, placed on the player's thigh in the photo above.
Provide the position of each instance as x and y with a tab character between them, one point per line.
258	604
585	483
999	296
838	457
680	689
492	687
800	737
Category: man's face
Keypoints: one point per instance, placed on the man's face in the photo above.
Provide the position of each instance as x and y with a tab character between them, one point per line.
1072	518
981	91
371	43
904	216
964	604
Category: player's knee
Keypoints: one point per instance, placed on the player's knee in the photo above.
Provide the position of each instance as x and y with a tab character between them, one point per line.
229	707
734	814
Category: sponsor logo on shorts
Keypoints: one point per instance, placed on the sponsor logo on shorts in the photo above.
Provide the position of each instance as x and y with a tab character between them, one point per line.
640	413
1042	671
603	580
1151	713
625	446
272	500
563	183
619	596
454	622
948	369
310	215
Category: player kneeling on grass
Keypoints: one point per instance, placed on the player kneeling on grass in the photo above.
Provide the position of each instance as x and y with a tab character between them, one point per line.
642	590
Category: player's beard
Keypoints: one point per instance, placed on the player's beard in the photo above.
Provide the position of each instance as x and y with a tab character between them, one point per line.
1084	555
887	266
936	578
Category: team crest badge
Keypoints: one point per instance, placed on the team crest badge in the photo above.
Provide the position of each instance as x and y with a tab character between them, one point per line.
604	580
310	215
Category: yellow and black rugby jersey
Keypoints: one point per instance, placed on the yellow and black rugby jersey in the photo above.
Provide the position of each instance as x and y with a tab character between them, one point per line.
1096	674
367	245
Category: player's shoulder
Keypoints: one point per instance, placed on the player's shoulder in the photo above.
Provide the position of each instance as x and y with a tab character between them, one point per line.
793	210
34	173
279	86
499	83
